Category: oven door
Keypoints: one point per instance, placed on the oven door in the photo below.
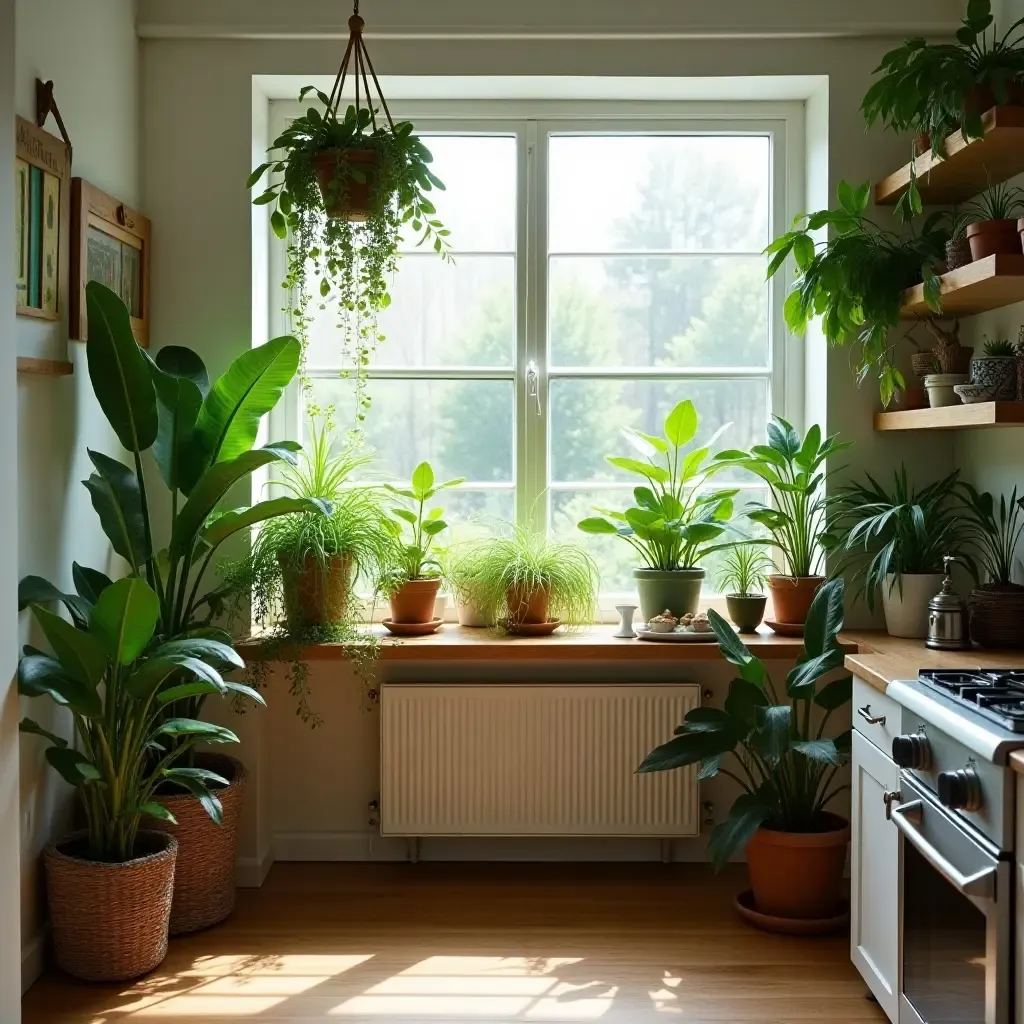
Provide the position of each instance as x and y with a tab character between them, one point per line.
955	917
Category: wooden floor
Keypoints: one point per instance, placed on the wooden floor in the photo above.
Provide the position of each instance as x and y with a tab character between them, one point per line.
480	944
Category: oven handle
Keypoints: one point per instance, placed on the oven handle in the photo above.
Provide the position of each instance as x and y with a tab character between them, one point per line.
980	885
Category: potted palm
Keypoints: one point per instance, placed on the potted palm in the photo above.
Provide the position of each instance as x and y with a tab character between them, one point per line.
674	522
413	578
201	437
743	577
992	534
896	539
536	584
797	518
796	848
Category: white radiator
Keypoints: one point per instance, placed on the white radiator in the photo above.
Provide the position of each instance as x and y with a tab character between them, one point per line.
526	760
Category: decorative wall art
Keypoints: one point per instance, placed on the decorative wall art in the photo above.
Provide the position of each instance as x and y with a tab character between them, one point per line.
110	244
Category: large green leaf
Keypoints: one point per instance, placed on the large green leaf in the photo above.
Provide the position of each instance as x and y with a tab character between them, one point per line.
185	691
214	485
89	583
835	694
179	361
178	402
118	502
802	678
231	522
36	590
124	618
747	815
79	653
771	737
230	414
743	702
39	675
681	424
34	728
195	784
72	765
825	618
688	748
119	371
751	668
205	731
823	751
155	673
207	649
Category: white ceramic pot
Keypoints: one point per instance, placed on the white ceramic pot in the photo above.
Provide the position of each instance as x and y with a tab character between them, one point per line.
940	388
906	613
471	615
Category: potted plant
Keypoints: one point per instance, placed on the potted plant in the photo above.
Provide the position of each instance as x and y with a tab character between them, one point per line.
536	584
1019	352
796	849
855	279
937	88
897	539
413	579
993	221
674	522
958	247
200	437
745	571
996	370
344	188
462	569
797	518
996	602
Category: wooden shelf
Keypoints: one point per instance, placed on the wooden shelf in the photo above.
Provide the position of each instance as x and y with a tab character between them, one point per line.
45	367
960	172
953	417
975	288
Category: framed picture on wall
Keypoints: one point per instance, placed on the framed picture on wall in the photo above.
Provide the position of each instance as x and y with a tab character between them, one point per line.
42	180
109	244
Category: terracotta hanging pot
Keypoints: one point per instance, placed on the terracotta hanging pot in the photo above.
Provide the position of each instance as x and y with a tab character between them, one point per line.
527	607
792	597
316	594
413	601
345	198
993	237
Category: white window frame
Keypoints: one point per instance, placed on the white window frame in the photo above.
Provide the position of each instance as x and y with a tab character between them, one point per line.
532	123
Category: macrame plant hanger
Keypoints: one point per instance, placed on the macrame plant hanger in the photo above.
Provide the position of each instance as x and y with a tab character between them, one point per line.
357	53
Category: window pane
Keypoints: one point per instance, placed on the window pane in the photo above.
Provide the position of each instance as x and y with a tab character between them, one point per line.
462	427
478	204
643	311
587	417
440	315
690	192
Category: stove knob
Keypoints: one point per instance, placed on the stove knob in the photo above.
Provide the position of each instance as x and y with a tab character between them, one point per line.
960	790
912	751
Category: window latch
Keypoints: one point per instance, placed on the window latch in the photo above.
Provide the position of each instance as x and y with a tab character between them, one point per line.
533	385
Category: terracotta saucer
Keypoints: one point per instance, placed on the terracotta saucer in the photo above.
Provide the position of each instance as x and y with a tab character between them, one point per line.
785	628
412	628
536	628
791	925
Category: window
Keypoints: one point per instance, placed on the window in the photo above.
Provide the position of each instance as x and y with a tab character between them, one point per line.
604	270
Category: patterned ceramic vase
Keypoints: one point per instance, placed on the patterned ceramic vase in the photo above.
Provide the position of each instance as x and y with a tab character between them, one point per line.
998	374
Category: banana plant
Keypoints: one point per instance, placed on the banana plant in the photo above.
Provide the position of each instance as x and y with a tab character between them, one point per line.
118	679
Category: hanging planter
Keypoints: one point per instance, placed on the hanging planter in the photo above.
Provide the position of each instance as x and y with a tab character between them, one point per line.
344	183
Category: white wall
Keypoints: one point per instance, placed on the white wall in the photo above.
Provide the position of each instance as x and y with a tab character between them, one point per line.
91	53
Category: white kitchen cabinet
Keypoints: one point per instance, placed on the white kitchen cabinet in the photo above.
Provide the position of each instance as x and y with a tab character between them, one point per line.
874	910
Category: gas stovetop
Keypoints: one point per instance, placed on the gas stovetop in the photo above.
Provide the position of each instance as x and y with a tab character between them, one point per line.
997	694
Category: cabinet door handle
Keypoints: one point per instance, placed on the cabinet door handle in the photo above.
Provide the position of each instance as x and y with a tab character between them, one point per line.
865	713
890	797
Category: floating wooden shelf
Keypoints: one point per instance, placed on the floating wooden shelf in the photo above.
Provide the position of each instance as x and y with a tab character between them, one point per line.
975	288
960	172
45	367
953	417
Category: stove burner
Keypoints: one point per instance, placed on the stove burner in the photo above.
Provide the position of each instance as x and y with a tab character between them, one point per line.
998	694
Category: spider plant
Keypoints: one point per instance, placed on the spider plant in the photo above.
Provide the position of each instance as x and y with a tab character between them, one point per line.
1000	201
992	534
745	571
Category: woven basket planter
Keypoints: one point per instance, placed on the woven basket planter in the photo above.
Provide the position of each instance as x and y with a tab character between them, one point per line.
924	363
204	882
997	616
958	253
110	921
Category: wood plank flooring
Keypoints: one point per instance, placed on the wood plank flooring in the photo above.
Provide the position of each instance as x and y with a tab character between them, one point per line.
480	944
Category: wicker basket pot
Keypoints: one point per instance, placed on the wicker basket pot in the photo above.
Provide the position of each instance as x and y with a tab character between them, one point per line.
110	921
997	615
204	882
924	363
954	358
958	253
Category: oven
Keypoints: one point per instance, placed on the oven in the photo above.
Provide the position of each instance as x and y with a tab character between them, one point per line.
955	895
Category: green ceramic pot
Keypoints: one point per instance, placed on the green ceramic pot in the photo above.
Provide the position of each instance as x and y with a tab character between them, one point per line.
746	610
677	590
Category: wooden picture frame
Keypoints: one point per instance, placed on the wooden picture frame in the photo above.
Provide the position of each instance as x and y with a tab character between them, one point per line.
109	244
42	205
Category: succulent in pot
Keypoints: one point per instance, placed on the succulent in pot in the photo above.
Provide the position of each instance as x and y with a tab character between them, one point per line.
743	577
996	370
894	540
413	577
993	221
534	581
992	535
786	766
797	520
674	523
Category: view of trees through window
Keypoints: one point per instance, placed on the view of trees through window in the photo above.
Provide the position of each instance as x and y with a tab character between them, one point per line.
655	291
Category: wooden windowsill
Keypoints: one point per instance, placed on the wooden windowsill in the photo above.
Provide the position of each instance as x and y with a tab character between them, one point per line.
456	643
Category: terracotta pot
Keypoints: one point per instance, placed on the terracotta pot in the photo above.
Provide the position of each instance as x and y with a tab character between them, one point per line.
316	594
110	920
991	237
792	596
911	398
527	607
204	875
799	875
997	615
413	602
746	610
352	200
